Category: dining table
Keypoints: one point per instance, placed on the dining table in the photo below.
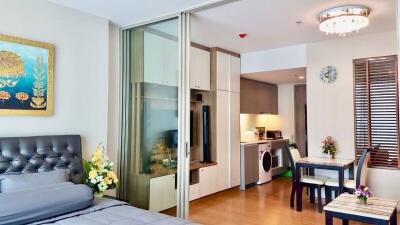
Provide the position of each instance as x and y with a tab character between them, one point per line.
347	207
323	163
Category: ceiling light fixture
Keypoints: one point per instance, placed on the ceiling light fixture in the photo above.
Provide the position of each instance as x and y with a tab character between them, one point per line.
344	19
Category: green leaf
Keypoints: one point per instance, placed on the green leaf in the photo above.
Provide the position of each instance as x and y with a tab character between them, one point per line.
86	168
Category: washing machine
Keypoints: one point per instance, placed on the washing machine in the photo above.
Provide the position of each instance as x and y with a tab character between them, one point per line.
264	163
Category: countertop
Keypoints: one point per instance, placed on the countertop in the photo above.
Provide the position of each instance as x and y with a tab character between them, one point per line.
195	165
262	141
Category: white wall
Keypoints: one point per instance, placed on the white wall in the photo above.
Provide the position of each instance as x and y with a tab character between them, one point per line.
286	110
274	59
330	106
81	90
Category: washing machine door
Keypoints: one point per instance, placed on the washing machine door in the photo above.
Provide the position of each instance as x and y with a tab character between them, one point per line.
267	161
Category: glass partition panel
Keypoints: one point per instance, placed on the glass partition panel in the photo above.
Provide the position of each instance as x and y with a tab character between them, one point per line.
153	115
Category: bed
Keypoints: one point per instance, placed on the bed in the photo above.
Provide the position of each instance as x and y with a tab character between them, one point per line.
40	184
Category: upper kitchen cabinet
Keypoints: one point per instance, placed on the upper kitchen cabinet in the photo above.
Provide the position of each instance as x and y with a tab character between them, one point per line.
225	67
258	97
200	69
162	52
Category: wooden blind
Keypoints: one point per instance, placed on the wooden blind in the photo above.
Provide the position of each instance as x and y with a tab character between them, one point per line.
376	109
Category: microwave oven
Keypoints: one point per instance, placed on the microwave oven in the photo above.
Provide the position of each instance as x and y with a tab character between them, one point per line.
274	134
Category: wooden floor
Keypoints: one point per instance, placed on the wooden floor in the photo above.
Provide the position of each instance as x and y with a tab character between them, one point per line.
266	204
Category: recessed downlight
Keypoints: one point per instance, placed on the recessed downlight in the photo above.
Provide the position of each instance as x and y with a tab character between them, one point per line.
299	76
299	22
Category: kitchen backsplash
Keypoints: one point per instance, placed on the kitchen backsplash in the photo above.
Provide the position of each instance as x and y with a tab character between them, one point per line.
249	122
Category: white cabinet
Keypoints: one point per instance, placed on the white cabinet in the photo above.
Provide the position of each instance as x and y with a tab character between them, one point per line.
222	140
234	84
208	178
227	72
227	78
162	193
194	191
223	64
234	138
200	69
160	60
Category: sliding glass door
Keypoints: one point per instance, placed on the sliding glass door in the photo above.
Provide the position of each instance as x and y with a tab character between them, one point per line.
154	163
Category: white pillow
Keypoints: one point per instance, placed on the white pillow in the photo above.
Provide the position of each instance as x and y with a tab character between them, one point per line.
18	182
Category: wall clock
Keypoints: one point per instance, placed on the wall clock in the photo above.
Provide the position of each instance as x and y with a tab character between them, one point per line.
328	74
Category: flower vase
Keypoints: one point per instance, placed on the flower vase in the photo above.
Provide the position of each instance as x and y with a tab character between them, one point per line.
332	156
363	200
99	194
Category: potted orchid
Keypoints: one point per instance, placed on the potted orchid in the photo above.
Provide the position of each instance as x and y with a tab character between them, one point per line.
362	194
329	146
99	172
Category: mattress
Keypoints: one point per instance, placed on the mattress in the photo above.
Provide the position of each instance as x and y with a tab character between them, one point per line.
106	211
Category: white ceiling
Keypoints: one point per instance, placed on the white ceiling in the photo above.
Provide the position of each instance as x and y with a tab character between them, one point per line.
272	24
269	23
128	12
284	76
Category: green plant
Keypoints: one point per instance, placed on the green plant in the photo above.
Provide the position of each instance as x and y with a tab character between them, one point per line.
328	146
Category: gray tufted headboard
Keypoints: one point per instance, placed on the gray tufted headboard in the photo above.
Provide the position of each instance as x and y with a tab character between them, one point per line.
42	153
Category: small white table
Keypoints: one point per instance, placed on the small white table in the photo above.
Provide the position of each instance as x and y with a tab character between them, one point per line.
347	207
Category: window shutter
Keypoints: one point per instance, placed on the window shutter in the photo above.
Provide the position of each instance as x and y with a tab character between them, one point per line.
361	105
376	109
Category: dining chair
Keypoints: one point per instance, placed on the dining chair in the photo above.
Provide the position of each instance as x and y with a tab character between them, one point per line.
350	185
312	182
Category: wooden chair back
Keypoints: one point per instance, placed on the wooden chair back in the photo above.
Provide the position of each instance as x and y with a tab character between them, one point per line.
362	167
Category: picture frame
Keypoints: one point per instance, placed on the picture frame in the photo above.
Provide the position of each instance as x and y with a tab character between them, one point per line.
26	77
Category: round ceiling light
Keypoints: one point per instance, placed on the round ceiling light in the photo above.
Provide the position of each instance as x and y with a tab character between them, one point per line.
344	19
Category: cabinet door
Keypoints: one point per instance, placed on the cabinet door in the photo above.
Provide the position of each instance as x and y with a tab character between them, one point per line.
170	59
258	97
199	69
194	191
249	97
234	74
268	102
153	55
223	153
162	193
235	138
163	53
223	71
208	180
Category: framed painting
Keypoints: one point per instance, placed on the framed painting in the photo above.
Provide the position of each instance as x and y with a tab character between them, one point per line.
26	77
